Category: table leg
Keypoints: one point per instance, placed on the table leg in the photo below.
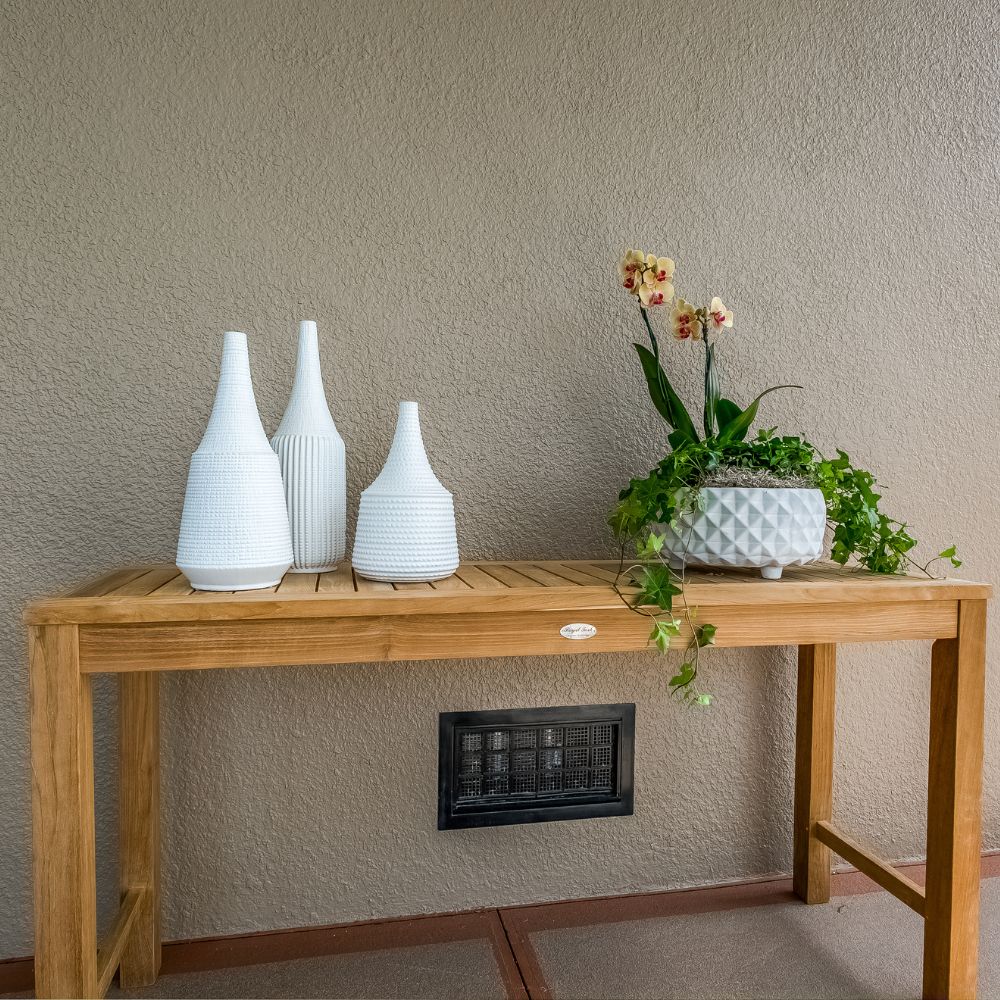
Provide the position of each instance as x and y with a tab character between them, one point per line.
62	794
139	822
951	929
813	769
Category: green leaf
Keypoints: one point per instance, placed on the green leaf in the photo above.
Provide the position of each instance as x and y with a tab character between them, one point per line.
657	587
949	554
726	411
649	547
663	632
706	635
683	677
666	401
737	429
704	700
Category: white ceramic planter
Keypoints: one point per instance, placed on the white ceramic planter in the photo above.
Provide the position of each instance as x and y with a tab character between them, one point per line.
406	520
311	453
234	529
766	529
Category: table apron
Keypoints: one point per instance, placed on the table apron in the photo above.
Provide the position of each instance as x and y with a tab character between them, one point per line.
275	642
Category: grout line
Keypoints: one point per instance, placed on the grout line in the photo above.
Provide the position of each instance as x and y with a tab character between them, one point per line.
507	959
528	966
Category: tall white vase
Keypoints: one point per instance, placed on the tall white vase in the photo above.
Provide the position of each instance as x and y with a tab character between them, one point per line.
234	528
311	453
406	522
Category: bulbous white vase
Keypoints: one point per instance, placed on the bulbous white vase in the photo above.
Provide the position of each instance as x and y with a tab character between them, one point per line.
765	529
234	529
406	521
311	453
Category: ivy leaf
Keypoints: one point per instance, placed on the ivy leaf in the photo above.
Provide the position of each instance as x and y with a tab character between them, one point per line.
666	401
706	635
651	546
704	700
663	632
737	429
656	587
683	677
949	554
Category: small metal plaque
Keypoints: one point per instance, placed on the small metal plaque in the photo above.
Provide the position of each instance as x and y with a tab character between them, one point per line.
578	630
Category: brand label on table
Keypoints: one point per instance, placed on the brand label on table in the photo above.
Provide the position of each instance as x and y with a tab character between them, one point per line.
578	630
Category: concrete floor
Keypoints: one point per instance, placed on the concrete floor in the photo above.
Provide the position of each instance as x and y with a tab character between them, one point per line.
856	947
427	971
457	970
863	947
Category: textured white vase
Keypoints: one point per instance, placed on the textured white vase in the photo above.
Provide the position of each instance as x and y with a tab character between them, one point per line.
311	453
406	521
234	528
766	529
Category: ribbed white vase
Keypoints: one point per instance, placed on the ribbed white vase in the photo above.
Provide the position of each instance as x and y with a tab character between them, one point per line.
234	528
406	522
311	453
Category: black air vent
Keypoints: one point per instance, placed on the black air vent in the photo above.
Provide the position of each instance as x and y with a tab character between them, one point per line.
533	765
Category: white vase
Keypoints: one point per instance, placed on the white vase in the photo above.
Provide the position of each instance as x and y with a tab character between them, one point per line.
766	529
406	521
234	529
311	453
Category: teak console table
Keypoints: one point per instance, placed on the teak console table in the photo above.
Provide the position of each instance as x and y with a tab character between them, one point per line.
137	622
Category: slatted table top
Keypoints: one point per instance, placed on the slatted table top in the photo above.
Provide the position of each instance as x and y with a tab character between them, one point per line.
161	593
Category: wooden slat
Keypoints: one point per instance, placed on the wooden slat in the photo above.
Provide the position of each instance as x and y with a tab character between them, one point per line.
450	583
903	888
601	570
110	952
511	577
540	574
298	583
477	579
366	586
107	582
179	586
338	581
412	586
573	573
301	639
140	586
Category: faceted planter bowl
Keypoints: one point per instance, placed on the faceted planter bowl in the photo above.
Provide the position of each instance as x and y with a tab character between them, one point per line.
765	529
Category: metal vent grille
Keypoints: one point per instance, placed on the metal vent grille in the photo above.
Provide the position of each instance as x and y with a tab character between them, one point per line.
535	765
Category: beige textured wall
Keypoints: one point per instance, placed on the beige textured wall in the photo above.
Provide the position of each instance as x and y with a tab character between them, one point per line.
444	187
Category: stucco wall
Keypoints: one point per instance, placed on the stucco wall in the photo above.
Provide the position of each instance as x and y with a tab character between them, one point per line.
445	187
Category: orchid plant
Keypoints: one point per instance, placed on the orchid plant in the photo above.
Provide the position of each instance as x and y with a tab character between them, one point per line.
670	493
650	280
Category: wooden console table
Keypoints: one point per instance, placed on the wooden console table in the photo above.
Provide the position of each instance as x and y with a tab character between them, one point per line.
136	622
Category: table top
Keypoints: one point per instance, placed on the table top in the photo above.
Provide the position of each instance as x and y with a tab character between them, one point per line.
161	593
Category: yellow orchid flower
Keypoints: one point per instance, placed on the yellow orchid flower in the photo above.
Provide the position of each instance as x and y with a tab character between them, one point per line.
662	267
653	292
684	321
631	268
719	316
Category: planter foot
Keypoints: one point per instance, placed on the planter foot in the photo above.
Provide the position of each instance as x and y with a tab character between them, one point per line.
771	572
